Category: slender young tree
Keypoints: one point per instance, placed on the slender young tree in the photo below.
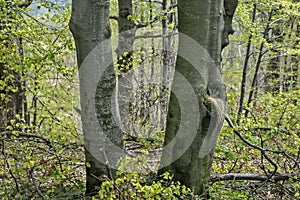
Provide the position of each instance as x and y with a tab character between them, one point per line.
124	52
126	33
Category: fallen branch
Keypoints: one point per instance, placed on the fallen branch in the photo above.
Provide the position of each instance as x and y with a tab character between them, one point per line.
251	177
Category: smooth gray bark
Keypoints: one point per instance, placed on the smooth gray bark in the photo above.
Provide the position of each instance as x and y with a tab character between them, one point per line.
89	24
228	12
126	30
202	21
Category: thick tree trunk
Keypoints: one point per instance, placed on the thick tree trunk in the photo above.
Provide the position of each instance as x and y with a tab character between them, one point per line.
201	21
103	139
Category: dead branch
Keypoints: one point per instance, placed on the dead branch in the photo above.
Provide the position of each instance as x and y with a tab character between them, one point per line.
251	177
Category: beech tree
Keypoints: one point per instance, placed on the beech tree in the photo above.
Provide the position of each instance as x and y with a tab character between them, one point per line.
202	21
89	24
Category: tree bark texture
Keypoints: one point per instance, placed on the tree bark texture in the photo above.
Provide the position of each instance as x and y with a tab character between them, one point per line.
228	12
203	22
89	25
126	30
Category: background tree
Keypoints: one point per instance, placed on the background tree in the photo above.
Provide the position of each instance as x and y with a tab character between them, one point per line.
13	99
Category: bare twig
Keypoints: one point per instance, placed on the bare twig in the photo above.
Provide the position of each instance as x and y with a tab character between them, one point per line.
114	17
262	150
37	21
237	132
8	166
25	4
27	135
36	186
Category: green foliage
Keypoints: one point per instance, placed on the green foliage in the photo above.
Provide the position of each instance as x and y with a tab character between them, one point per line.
275	127
41	152
272	122
229	191
135	186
